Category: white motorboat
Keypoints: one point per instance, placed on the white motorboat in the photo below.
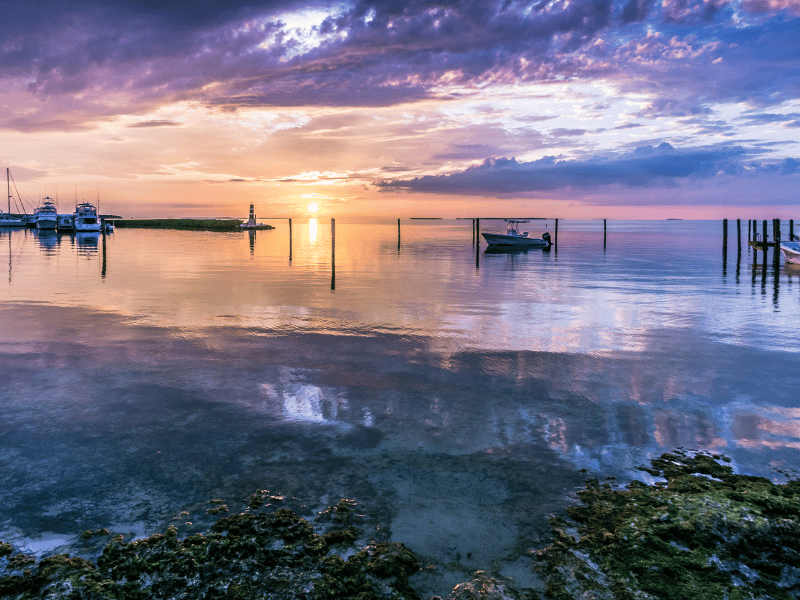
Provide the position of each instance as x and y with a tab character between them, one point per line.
514	238
85	218
791	252
46	215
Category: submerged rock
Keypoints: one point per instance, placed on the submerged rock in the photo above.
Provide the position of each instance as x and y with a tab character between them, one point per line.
703	533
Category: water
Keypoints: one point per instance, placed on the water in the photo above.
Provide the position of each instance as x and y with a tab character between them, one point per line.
456	394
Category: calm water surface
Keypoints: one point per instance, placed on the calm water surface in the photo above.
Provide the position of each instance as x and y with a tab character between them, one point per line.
455	393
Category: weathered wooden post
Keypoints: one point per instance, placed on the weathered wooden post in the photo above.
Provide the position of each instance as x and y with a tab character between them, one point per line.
764	242
398	235
791	230
473	231
755	230
477	232
604	234
333	254
776	254
739	234
555	241
724	237
748	230
290	240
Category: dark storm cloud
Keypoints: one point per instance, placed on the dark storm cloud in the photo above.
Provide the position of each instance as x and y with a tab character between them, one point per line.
661	166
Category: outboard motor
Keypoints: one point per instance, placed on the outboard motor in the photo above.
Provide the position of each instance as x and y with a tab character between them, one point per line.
546	238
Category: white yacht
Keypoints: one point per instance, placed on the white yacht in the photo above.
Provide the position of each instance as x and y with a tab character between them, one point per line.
512	237
85	218
46	215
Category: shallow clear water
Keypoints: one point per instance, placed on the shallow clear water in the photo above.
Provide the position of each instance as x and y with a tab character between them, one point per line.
456	393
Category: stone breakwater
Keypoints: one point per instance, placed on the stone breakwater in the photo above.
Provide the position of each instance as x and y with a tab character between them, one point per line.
699	532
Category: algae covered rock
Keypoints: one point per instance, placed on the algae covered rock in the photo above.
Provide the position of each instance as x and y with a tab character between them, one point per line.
269	555
702	533
485	586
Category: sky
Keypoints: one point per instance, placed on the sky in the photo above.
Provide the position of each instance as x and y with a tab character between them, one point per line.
453	108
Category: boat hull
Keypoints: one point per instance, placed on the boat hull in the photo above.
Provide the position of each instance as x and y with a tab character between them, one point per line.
512	241
791	252
11	222
46	223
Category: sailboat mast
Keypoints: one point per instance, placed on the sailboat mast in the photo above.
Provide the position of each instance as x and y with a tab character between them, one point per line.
8	185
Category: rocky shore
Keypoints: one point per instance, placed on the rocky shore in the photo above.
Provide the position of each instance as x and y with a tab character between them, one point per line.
698	531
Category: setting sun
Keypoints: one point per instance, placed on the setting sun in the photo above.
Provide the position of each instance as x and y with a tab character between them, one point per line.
313	207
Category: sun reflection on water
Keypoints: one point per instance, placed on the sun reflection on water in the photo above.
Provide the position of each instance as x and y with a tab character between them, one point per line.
312	230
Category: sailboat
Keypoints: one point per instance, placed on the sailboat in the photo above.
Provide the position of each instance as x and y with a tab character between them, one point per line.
7	219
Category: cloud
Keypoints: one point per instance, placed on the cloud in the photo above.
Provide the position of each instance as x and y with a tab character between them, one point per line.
156	123
82	61
645	167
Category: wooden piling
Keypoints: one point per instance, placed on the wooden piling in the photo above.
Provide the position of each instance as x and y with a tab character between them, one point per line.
739	234
290	240
398	235
765	239
477	232
555	240
749	221
791	230
755	230
333	254
724	236
776	255
604	234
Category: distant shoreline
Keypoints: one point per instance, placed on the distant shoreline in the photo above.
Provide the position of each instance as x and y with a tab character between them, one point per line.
193	224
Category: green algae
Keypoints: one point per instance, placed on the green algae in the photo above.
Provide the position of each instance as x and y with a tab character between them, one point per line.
266	555
702	533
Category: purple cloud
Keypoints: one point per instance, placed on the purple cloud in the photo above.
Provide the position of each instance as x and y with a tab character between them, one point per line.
240	53
661	166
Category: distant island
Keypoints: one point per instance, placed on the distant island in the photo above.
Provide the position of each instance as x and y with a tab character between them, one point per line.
194	224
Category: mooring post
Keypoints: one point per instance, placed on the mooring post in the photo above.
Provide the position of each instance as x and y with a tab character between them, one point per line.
755	230
477	232
290	240
739	234
764	241
333	254
776	255
724	236
791	230
604	234
473	231
748	230
398	235
555	241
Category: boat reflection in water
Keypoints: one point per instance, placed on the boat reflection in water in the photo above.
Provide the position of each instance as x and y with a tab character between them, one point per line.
48	240
87	241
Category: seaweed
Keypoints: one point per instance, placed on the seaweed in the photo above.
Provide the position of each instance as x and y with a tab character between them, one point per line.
702	533
266	555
